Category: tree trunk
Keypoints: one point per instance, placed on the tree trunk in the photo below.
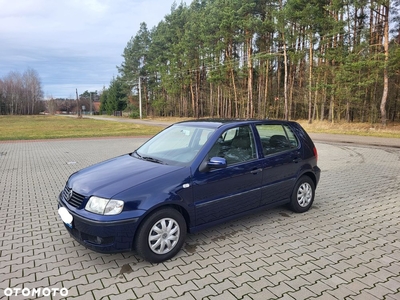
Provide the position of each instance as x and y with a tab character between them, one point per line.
310	82
266	89
385	70
285	78
193	97
249	113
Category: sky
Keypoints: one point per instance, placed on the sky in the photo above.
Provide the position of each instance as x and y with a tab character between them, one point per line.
72	44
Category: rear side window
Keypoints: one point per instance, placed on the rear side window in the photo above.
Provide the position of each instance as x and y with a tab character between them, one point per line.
291	137
276	138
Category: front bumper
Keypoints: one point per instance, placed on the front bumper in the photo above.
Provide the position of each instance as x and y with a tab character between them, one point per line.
105	237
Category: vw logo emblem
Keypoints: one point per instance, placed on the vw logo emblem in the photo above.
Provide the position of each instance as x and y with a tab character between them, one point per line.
69	195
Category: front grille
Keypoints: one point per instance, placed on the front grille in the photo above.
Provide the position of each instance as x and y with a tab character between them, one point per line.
71	197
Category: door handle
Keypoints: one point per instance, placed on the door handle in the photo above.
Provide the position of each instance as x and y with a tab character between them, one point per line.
296	157
255	171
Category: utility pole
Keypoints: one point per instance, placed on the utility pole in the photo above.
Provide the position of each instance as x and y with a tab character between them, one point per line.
77	103
90	99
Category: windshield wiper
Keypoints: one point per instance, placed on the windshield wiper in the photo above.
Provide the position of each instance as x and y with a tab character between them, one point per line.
148	158
135	153
152	159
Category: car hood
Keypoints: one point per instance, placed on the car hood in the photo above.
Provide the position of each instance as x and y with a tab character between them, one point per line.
113	176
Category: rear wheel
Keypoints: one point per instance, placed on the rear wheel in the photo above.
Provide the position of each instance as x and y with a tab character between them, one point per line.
303	195
161	235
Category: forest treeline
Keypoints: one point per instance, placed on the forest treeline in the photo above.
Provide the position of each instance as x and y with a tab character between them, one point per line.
293	59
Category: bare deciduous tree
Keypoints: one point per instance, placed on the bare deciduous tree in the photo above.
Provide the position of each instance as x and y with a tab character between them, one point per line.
21	94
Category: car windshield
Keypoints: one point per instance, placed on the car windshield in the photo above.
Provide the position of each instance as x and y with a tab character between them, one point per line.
176	145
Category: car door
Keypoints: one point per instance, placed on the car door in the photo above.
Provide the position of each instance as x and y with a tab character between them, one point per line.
281	162
219	193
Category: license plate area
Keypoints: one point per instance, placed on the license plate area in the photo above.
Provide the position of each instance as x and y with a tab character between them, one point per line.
66	217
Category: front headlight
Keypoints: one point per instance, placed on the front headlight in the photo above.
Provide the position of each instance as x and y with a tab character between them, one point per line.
103	206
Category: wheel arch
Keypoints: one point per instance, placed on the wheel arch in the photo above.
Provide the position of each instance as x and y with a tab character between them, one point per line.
312	177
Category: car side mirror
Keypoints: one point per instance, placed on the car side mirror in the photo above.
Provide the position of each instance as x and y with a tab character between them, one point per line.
217	163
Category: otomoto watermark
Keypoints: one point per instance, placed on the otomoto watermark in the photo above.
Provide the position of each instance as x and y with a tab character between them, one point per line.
35	292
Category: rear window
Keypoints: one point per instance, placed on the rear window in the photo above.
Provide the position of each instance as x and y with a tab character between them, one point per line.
276	138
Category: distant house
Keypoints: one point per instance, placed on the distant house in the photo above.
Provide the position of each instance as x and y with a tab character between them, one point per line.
96	106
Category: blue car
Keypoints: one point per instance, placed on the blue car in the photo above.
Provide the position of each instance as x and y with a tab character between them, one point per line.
190	176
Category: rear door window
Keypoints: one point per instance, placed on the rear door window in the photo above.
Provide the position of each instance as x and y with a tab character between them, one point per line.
276	138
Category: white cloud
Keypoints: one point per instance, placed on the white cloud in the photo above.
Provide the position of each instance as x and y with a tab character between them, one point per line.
72	42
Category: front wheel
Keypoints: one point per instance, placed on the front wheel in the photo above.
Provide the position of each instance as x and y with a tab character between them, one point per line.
303	195
161	235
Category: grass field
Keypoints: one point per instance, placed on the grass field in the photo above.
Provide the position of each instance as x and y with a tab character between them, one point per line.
53	127
392	130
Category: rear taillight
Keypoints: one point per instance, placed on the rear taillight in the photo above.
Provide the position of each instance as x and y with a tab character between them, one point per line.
315	153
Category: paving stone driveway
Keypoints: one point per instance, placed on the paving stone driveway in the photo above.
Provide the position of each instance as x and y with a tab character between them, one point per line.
346	247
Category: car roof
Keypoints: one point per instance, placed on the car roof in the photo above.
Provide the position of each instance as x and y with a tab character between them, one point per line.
216	123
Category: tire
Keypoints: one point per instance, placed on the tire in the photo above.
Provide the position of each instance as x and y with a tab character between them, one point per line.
161	235
303	195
